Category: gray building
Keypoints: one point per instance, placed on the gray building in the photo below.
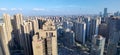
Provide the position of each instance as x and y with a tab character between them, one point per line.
69	37
114	35
105	12
80	32
87	21
94	24
98	43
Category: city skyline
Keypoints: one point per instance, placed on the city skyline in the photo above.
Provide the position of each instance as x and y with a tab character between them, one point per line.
59	27
58	7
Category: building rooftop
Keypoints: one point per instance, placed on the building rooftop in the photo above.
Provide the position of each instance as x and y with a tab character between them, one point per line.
67	30
99	37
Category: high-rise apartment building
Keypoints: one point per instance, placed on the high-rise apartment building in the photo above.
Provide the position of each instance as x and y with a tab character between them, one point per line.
103	30
8	26
35	25
98	43
49	34
4	40
69	35
87	21
38	45
94	26
16	23
27	37
80	32
114	35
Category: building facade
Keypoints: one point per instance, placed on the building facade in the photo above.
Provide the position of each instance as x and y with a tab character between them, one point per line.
4	40
98	43
49	34
80	32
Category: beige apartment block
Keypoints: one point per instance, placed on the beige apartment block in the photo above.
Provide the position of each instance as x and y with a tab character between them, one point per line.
8	26
17	22
49	34
26	38
38	45
34	25
4	39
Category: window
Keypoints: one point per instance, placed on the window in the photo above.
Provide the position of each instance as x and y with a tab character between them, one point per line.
51	34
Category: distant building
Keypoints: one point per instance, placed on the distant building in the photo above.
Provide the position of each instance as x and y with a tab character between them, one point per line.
100	14
67	24
69	38
98	43
117	13
105	12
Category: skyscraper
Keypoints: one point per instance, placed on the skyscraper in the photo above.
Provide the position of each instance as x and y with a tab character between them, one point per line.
94	26
87	21
100	14
80	32
8	30
4	39
98	43
27	37
114	35
105	12
8	27
16	23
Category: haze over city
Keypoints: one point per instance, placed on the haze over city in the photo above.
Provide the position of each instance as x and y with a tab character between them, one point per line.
57	7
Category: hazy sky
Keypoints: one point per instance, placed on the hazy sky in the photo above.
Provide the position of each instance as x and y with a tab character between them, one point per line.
57	7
